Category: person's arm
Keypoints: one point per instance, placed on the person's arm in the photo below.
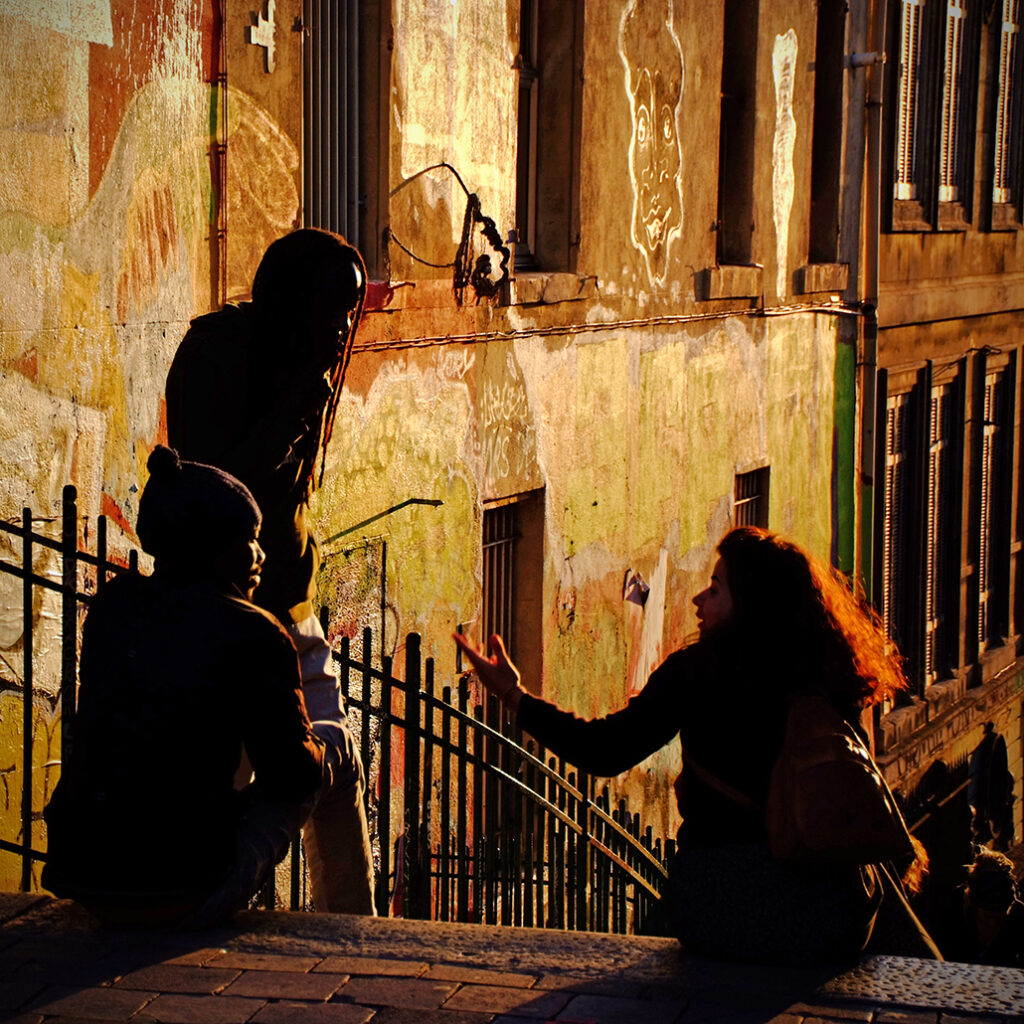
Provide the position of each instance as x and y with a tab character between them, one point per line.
286	756
602	746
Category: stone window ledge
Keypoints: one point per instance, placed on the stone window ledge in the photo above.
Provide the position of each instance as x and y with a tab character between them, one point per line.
730	281
541	288
822	277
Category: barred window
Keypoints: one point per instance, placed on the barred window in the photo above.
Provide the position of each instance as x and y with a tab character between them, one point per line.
750	498
331	116
501	532
513	580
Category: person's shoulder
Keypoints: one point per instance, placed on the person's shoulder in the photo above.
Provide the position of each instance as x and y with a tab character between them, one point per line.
123	588
230	325
249	618
684	660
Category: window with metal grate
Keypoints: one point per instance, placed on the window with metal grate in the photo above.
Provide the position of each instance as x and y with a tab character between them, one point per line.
331	116
750	498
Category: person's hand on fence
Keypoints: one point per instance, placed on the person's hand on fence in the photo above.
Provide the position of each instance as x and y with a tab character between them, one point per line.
496	672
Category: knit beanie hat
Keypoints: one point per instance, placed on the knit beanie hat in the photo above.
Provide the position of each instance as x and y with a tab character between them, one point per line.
190	512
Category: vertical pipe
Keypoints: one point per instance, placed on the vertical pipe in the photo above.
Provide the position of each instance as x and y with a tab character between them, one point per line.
869	305
27	700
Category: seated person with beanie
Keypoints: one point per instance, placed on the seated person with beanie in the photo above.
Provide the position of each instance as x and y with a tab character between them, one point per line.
179	671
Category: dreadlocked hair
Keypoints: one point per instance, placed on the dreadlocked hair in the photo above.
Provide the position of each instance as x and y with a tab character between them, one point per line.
284	274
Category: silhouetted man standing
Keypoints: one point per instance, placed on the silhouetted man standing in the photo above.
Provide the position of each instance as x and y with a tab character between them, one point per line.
253	389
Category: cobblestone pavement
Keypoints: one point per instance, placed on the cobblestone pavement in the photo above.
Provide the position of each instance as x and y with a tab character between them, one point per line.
57	965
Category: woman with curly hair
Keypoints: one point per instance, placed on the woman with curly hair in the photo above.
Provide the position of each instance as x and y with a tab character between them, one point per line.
783	645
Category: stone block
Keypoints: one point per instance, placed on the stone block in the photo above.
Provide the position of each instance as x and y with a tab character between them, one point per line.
620	1010
175	978
92	1003
285	985
480	976
286	1012
501	999
186	1009
405	993
266	962
372	965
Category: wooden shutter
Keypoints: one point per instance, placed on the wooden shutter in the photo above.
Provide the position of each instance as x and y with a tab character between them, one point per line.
1002	182
949	132
908	99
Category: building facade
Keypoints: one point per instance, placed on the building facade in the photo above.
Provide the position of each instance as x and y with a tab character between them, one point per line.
947	513
622	297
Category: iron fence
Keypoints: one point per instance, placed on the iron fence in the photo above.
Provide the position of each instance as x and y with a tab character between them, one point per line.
470	820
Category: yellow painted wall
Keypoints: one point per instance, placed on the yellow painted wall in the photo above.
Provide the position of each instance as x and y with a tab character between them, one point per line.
634	426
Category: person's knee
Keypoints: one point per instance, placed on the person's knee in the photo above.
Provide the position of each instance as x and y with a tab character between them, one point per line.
343	767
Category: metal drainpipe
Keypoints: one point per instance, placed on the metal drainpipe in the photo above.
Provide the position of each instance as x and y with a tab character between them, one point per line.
868	362
218	162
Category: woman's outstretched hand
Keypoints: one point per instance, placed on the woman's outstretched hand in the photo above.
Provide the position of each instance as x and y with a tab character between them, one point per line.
497	672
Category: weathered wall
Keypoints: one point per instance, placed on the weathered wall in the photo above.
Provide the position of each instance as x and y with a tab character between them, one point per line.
617	395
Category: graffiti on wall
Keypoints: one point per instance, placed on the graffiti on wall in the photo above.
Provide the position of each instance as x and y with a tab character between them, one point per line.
783	144
653	61
509	441
105	254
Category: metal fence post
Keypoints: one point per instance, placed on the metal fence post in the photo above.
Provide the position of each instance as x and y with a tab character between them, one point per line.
27	699
412	775
69	621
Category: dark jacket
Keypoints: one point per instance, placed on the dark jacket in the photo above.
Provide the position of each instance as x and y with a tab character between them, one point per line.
228	405
729	722
174	678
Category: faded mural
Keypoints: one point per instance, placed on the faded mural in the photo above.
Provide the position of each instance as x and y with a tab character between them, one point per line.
653	60
105	253
783	144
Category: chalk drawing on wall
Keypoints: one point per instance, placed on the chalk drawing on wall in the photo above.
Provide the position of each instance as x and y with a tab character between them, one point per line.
783	179
509	437
653	60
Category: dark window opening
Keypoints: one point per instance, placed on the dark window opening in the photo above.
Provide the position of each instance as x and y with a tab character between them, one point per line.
994	514
513	565
750	498
827	144
331	116
736	132
550	78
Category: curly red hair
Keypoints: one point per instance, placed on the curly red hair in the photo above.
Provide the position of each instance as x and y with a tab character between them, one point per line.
803	617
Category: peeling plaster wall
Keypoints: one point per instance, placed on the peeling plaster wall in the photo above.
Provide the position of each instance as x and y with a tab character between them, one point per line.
633	428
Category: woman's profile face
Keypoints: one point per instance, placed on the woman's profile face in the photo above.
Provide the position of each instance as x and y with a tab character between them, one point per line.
714	602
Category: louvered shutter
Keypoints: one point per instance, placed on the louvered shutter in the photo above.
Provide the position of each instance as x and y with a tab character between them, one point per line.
1001	171
908	98
949	137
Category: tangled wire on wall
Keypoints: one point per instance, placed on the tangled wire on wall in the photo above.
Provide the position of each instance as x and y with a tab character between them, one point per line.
470	269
